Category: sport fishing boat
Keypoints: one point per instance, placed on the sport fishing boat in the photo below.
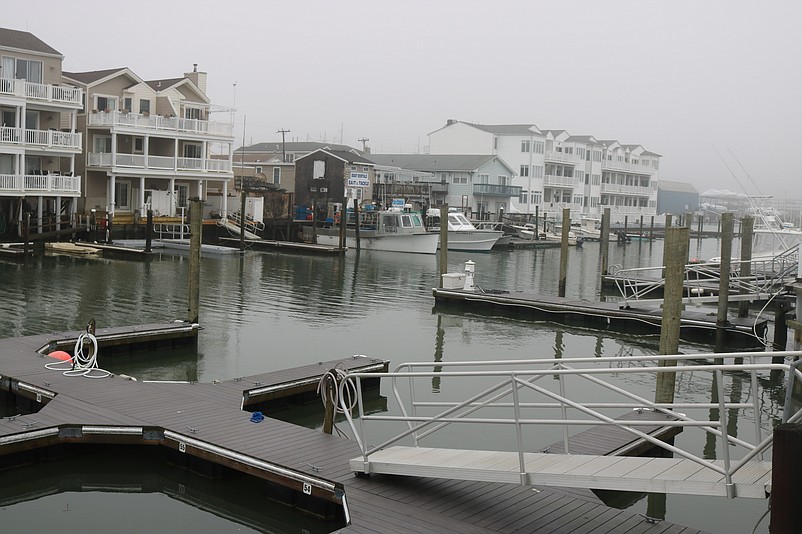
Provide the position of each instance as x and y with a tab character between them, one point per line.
462	234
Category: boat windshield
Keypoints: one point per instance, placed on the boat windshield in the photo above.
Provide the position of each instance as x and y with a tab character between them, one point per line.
458	221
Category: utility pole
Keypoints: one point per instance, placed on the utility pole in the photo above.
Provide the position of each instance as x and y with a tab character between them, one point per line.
283	150
363	141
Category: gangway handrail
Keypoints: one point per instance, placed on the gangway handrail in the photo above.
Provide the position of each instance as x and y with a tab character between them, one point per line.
513	378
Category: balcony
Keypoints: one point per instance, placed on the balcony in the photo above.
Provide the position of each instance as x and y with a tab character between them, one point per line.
40	138
117	119
42	93
560	181
562	157
618	189
494	190
48	184
158	163
623	166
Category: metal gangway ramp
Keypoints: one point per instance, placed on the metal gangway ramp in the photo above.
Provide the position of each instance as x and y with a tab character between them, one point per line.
541	398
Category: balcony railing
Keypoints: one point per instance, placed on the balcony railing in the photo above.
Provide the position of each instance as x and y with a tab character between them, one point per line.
140	161
41	92
496	190
157	122
40	138
40	184
562	157
627	189
560	181
608	165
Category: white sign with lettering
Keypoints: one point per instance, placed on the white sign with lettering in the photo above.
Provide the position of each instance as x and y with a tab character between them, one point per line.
359	179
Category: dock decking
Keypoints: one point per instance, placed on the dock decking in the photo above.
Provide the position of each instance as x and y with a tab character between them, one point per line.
695	324
206	421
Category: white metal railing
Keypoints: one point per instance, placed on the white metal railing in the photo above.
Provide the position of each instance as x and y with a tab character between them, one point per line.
40	91
39	138
564	181
171	231
627	167
768	275
251	225
626	189
38	184
104	159
157	122
513	393
563	157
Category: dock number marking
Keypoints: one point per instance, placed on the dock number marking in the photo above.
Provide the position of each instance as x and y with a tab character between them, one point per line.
38	397
182	447
307	488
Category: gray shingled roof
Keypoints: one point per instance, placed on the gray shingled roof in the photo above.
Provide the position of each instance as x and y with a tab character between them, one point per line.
294	146
676	187
25	41
433	162
159	85
506	129
350	157
91	76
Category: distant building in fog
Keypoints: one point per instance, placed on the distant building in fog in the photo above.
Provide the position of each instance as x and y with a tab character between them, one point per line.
676	198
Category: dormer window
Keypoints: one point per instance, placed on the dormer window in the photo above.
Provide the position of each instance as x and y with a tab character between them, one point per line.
105	103
144	105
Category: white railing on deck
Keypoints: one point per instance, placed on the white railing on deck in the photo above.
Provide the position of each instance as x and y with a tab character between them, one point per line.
567	393
157	122
562	181
104	159
40	184
39	138
563	157
626	189
627	167
40	91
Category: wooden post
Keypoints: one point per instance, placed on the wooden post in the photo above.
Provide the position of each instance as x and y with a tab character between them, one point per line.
780	341
356	224
604	241
26	234
675	254
669	220
196	228
328	399
786	492
443	241
626	223
537	222
640	231
747	232
149	231
651	228
564	250
242	217
343	221
109	222
724	279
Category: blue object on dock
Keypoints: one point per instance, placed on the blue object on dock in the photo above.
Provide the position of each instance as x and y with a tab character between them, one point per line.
257	417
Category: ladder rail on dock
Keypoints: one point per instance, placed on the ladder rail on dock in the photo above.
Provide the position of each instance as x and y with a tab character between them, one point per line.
768	276
741	470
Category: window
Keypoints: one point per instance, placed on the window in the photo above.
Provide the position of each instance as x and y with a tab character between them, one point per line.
101	144
580	152
524	170
525	147
257	170
192	150
128	104
536	196
103	103
597	155
276	175
139	145
579	175
191	113
538	147
22	69
502	180
569	150
524	196
181	195
537	171
484	179
144	106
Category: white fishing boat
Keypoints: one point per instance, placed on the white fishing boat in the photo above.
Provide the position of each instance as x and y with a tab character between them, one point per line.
589	229
390	230
462	234
530	231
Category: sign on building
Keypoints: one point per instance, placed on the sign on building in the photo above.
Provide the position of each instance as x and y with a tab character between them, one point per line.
359	179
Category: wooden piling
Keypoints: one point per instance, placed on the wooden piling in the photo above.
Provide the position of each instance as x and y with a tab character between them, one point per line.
564	250
675	254
747	233
724	279
443	242
196	228
242	218
329	387
651	228
604	241
786	492
641	227
149	232
537	222
343	221
356	224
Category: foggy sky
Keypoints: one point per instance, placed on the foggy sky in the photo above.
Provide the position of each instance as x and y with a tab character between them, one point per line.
683	78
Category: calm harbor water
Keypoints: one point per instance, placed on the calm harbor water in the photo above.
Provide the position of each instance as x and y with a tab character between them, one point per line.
267	311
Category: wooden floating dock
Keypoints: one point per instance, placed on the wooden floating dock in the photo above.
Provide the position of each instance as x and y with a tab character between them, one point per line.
283	246
206	422
695	325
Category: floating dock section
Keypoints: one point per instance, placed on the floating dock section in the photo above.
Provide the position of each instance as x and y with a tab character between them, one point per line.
695	325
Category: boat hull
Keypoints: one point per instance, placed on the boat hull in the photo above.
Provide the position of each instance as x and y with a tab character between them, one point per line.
473	240
422	243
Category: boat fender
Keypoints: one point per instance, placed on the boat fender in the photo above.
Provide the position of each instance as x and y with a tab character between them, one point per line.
60	355
257	417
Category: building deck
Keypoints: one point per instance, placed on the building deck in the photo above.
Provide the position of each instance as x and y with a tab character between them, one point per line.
695	325
206	421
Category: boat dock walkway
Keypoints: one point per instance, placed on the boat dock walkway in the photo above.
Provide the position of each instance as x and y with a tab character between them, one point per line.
283	246
696	324
207	422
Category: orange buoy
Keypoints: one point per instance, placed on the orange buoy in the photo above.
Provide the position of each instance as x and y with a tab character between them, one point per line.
60	355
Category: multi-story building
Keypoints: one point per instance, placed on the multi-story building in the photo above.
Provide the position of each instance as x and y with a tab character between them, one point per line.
39	141
557	170
478	184
150	144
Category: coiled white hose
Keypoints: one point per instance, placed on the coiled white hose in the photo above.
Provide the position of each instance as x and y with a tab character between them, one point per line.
81	363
